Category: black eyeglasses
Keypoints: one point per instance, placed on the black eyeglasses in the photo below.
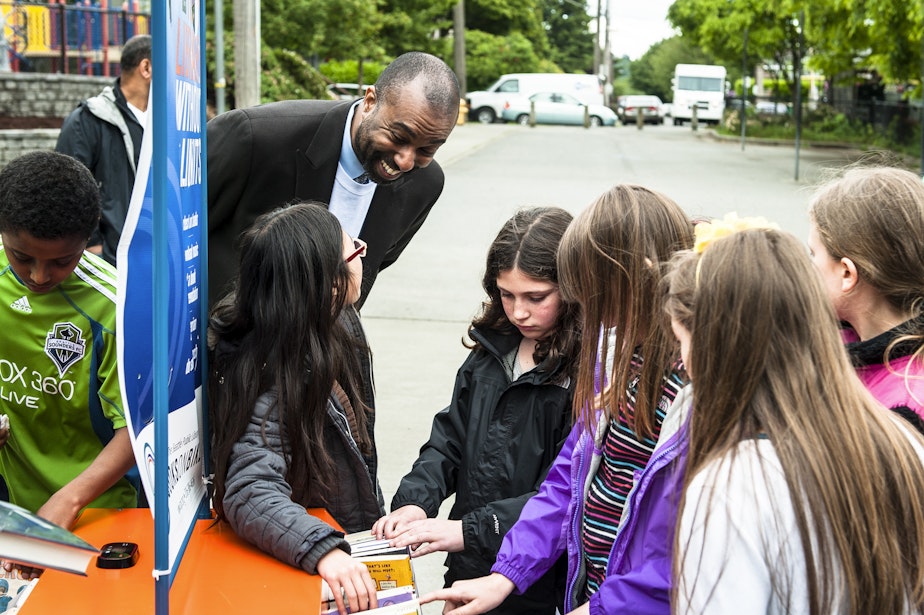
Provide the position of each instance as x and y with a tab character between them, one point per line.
360	251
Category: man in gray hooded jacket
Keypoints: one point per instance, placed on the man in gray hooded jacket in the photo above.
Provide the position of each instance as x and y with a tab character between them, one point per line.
104	132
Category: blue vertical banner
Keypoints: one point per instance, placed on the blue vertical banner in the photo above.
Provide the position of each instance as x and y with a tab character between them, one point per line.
160	294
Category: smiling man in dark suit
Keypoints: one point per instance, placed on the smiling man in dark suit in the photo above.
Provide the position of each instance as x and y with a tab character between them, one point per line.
371	160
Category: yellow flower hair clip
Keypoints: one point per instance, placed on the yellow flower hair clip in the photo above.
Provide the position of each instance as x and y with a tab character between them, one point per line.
705	233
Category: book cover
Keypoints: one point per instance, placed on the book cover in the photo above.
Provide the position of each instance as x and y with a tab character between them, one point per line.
30	540
13	590
406	597
404	608
390	571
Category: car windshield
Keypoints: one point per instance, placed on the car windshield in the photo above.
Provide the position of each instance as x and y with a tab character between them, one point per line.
700	84
511	86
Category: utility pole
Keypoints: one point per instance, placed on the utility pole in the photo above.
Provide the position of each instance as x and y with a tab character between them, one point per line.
247	53
607	60
798	72
220	82
597	38
744	90
458	45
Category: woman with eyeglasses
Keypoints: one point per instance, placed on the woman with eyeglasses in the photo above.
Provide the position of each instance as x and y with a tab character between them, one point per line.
290	407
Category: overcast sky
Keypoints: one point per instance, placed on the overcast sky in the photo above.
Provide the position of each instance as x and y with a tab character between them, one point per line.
636	25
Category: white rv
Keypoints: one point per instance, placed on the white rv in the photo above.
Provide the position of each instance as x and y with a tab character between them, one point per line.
701	86
488	105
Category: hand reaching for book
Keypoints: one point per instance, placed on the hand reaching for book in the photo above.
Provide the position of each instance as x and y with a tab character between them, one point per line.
472	596
394	524
430	535
349	581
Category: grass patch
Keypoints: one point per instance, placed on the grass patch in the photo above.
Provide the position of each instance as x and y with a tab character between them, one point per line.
824	125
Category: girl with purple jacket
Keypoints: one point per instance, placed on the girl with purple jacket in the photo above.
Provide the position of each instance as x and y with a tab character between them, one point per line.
609	263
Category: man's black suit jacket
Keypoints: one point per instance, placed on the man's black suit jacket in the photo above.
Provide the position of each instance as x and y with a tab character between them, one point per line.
262	157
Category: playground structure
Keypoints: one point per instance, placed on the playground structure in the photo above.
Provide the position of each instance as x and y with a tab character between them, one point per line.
80	37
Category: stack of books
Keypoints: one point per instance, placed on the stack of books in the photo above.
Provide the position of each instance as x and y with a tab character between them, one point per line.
391	569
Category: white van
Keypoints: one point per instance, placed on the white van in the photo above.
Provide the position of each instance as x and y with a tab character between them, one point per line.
488	105
701	86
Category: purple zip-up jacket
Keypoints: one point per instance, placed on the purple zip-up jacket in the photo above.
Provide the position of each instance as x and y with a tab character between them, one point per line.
638	577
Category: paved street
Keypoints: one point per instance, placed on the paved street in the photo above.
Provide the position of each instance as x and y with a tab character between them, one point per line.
420	308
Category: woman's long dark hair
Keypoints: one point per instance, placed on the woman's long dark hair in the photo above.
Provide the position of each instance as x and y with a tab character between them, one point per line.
529	242
278	330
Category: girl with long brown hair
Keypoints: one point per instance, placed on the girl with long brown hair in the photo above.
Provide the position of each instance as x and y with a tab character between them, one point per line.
802	494
867	240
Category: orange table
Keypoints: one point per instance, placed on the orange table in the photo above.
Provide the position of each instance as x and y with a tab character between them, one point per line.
219	573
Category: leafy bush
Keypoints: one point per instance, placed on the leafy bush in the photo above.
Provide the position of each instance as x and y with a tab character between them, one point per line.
825	125
347	71
781	90
287	76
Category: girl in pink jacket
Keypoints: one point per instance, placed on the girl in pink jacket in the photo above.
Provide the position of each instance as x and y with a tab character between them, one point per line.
867	240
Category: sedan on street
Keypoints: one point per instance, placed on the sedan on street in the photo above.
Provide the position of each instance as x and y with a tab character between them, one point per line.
628	107
556	108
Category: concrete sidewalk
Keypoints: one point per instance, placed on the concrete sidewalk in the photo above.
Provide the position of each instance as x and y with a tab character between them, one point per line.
467	139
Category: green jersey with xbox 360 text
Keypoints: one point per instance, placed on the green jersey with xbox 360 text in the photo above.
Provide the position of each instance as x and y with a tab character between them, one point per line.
59	382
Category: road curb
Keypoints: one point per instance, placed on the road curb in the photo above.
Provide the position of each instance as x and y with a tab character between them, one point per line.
856	151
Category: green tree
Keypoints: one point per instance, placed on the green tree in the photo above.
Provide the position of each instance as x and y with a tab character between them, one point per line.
321	29
487	57
409	25
884	35
652	73
347	71
287	76
505	17
719	26
839	35
567	27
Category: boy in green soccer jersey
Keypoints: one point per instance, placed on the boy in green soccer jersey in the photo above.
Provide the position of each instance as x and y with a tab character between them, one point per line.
66	446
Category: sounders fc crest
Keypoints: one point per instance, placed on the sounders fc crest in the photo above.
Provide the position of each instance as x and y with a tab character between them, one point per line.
65	345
